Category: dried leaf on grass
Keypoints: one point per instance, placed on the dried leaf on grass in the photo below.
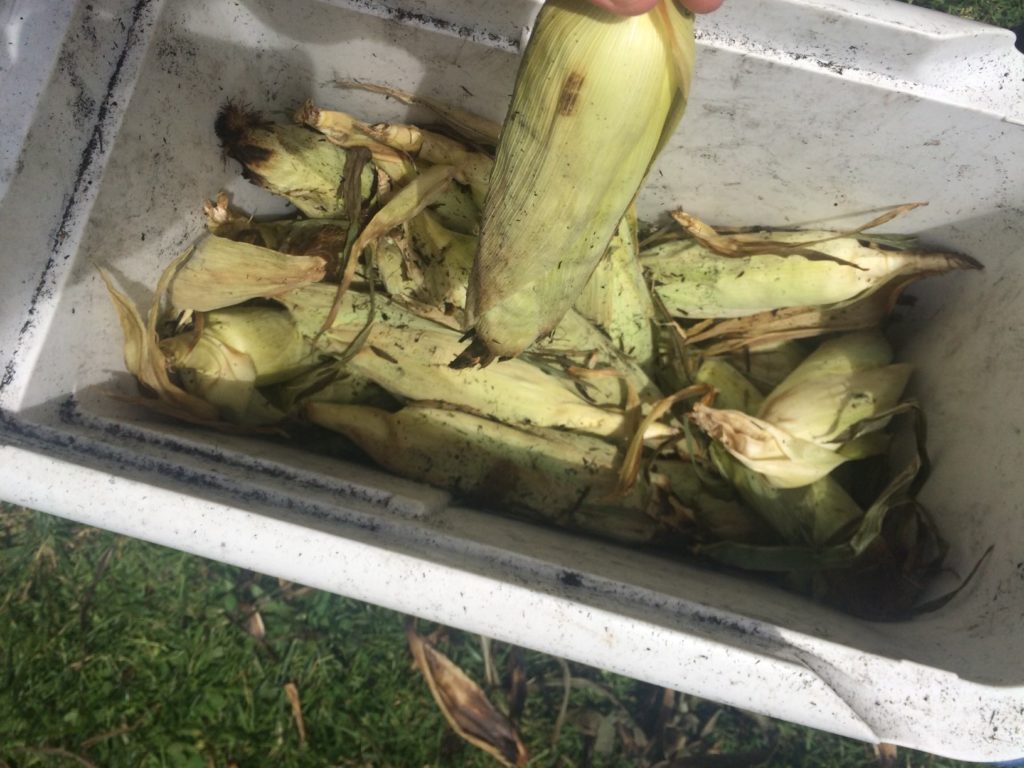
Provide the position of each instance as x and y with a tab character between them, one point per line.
292	692
887	754
464	704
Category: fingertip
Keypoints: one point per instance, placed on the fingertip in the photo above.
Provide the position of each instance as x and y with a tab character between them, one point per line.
626	7
702	6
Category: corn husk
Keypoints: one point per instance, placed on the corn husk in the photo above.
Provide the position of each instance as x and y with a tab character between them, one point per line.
144	359
767	367
541	470
323	238
345	132
408	356
473	128
221	273
234	351
291	161
568	165
694	282
827	411
616	298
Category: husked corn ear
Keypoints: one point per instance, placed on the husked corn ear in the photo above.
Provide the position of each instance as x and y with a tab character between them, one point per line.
596	97
290	160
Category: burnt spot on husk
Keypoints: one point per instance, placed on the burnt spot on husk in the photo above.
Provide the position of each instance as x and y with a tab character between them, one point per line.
570	94
234	122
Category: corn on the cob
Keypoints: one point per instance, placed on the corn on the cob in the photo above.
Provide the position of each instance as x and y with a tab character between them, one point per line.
695	282
596	98
234	351
543	470
838	395
765	368
290	160
616	298
408	356
221	273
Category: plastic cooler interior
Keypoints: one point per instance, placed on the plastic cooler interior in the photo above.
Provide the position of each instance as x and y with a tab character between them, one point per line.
801	111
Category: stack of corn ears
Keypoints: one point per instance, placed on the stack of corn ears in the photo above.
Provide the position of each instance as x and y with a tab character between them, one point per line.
729	396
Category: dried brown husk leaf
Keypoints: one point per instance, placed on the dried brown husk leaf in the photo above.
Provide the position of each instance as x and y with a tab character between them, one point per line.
470	126
464	704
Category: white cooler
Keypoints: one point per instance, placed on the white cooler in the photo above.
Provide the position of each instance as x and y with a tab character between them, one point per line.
801	111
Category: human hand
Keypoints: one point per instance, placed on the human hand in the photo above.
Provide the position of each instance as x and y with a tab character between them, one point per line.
636	7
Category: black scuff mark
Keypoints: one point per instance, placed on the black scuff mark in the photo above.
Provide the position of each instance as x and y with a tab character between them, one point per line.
135	461
94	147
438	25
570	579
69	413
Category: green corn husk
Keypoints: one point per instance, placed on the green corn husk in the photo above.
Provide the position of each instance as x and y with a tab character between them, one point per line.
542	470
812	515
445	258
767	367
456	210
696	283
291	161
408	356
829	410
616	298
596	360
876	566
234	351
328	383
568	165
732	390
563	477
221	273
323	238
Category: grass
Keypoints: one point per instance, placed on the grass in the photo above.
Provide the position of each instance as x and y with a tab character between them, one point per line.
1001	13
118	653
